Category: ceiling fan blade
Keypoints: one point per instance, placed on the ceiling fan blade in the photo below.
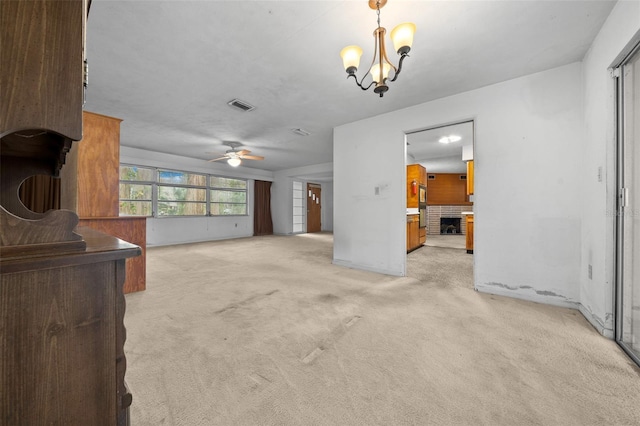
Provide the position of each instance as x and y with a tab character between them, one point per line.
252	157
220	158
243	152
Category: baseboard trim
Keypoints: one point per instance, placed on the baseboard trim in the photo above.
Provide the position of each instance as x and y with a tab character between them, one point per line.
596	322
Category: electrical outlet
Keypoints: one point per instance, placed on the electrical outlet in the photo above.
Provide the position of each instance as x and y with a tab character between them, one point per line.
600	174
377	190
590	272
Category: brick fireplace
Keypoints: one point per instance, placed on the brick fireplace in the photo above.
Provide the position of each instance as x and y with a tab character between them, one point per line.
435	213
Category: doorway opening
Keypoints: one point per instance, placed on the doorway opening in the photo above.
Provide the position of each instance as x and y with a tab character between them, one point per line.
446	153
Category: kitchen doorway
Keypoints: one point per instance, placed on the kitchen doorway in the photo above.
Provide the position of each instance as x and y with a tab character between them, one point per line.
446	152
314	207
627	317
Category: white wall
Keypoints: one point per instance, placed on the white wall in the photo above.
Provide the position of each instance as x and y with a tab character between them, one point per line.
369	216
327	206
527	206
282	204
598	151
177	230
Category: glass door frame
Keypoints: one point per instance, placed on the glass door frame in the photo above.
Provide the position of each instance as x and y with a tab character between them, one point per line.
621	199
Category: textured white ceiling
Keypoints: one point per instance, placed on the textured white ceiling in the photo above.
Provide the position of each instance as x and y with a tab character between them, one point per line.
424	147
168	68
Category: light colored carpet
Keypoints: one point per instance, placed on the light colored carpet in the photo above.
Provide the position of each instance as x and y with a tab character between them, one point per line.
266	331
458	241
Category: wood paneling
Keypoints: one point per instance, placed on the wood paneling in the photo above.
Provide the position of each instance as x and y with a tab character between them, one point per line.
447	189
132	230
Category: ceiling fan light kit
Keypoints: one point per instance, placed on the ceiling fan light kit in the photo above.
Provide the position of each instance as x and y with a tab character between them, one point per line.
234	157
402	37
234	162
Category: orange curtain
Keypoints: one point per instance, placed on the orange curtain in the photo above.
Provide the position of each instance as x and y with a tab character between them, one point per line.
40	193
262	222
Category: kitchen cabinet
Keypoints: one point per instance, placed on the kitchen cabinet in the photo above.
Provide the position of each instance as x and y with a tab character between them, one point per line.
470	177
422	235
469	241
413	232
417	173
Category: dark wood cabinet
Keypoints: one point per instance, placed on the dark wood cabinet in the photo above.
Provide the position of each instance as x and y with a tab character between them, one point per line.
42	55
61	301
62	336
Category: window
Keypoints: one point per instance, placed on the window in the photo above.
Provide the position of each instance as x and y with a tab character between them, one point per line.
298	208
146	191
181	194
228	196
136	189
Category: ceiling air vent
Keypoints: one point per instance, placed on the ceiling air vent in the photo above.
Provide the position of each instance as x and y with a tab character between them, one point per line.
241	105
301	132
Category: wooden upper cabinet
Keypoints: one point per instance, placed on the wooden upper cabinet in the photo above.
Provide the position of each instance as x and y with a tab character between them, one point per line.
91	178
42	73
470	177
417	173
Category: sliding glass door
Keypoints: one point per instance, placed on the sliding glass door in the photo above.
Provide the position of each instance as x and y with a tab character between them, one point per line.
628	280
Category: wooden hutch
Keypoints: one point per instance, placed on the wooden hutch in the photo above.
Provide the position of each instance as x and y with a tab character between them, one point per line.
61	286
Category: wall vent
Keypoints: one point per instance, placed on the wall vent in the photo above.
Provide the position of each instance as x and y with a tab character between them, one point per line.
431	177
241	105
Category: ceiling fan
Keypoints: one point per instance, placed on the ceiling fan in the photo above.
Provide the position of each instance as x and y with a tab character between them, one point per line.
235	157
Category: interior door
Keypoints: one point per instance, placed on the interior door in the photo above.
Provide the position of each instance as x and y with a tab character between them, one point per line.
628	276
314	205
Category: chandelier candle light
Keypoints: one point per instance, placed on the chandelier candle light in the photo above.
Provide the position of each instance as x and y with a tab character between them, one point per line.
402	37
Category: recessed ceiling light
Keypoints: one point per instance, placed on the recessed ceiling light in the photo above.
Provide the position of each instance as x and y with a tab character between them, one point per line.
449	139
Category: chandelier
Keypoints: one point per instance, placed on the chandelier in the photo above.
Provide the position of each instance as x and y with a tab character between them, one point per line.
402	37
